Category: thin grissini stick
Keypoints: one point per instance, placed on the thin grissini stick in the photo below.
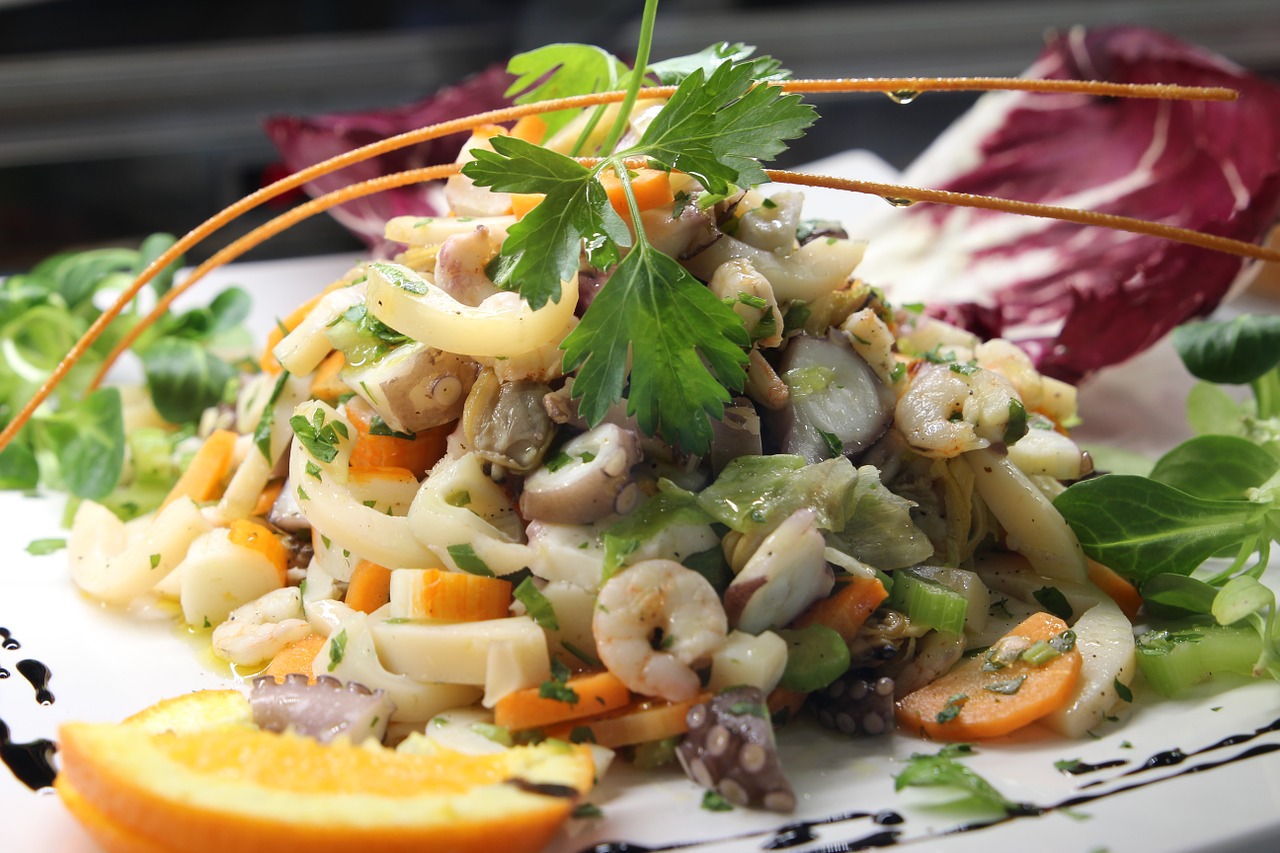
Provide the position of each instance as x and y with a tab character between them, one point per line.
899	194
917	85
333	164
248	242
896	192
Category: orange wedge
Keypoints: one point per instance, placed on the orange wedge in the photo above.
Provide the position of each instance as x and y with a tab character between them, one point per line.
194	774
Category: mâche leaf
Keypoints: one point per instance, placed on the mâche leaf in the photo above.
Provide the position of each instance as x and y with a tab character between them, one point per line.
1142	528
1234	352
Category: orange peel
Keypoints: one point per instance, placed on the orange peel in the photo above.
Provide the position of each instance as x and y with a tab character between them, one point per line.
194	774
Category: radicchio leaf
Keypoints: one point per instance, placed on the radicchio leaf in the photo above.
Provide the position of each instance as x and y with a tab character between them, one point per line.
1079	299
305	141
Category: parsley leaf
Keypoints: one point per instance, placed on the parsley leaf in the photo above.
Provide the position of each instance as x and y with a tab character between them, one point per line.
337	649
719	127
319	437
670	72
943	770
544	247
653	300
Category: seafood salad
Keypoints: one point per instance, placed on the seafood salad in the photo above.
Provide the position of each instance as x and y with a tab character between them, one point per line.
619	458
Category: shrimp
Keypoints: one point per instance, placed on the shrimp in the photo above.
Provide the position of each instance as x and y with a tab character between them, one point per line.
256	631
945	412
1054	397
654	623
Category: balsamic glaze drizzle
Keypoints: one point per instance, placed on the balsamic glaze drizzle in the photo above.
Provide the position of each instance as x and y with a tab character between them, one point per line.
802	832
38	674
9	644
31	763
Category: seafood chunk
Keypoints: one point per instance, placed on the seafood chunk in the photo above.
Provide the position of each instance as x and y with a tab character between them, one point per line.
730	749
654	623
323	710
856	704
787	573
588	480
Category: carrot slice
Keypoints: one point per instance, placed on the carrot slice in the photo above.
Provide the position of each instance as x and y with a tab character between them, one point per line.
267	499
370	586
652	188
525	709
975	701
268	361
203	479
522	203
460	597
785	704
640	721
251	534
846	610
417	454
532	128
325	382
297	657
1122	592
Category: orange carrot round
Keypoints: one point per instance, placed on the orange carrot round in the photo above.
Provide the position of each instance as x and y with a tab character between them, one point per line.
641	721
204	476
845	610
651	187
326	383
597	693
979	700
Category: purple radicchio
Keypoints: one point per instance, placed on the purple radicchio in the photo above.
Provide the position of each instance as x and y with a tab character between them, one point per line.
1079	299
305	141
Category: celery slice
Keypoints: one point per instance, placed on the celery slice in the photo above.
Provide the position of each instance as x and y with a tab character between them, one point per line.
1174	661
927	602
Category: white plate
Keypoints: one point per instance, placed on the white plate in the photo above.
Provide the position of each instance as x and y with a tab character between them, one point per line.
106	665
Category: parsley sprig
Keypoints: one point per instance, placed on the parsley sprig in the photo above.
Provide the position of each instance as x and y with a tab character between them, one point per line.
686	350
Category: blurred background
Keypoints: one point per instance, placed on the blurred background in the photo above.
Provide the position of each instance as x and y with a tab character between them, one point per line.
122	118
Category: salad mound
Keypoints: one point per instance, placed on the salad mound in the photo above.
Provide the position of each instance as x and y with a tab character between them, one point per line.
622	457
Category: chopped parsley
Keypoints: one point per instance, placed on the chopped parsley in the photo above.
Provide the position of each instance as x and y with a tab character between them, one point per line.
713	801
556	688
951	710
40	547
537	605
464	557
337	649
